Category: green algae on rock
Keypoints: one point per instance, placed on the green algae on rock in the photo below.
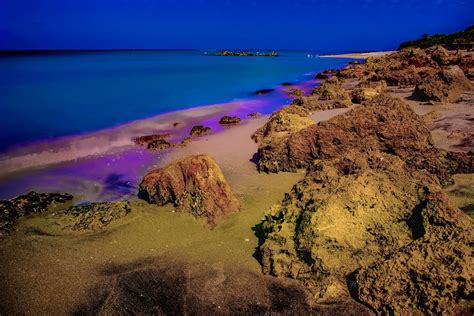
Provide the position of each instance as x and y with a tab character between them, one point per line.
194	184
24	205
94	216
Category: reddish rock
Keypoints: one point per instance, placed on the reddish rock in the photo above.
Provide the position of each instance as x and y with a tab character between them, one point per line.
194	184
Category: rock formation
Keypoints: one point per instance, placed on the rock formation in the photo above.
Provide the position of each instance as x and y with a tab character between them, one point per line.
295	92
24	205
331	90
282	123
384	124
194	184
367	90
94	216
199	130
229	120
446	85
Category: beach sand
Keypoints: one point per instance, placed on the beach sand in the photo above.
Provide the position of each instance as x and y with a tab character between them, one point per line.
46	272
359	55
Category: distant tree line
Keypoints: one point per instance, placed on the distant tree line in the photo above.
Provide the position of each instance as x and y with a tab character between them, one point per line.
458	40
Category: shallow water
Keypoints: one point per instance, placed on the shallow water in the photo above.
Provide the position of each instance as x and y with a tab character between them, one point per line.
57	94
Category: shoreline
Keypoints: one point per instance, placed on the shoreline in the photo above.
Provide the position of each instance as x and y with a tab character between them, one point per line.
62	149
360	55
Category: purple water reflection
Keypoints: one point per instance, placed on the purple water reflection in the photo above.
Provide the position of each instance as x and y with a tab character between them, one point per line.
115	175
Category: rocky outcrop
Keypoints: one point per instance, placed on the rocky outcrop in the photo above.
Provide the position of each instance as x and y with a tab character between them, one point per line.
371	215
295	92
433	274
367	90
194	184
159	142
331	90
446	85
229	120
24	205
383	124
94	216
282	123
146	140
199	130
254	114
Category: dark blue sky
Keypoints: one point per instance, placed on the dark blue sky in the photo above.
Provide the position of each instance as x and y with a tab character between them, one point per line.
294	24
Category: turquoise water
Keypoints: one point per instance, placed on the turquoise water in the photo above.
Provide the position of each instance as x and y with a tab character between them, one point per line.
50	95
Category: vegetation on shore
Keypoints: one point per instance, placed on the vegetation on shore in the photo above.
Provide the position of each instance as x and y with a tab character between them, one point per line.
459	40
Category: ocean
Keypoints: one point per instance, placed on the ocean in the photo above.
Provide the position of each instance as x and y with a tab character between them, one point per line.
68	119
49	95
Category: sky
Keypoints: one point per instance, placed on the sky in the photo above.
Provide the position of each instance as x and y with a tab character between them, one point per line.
334	25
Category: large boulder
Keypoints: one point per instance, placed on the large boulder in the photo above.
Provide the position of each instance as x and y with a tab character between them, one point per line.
371	215
24	205
383	124
194	184
433	274
446	85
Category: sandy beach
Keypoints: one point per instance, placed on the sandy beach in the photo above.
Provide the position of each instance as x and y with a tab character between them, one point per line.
48	270
359	55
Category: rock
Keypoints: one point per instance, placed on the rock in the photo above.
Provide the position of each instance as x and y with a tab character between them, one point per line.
321	76
146	140
229	120
431	275
295	92
331	90
200	130
361	213
24	205
286	84
430	117
254	114
367	90
94	216
177	124
159	144
457	134
447	85
383	124
281	123
194	184
264	91
314	103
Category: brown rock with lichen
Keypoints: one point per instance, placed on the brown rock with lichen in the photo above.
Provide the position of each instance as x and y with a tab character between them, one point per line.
383	124
433	274
229	120
295	92
199	130
331	90
446	85
282	123
27	204
367	90
194	184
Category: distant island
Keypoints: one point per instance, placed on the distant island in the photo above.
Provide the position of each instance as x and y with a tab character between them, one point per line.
241	53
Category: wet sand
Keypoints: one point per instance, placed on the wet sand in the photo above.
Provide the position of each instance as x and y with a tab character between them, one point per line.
359	55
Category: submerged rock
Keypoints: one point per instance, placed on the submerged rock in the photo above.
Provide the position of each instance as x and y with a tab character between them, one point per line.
447	85
264	91
24	205
254	114
194	184
229	120
200	130
94	216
